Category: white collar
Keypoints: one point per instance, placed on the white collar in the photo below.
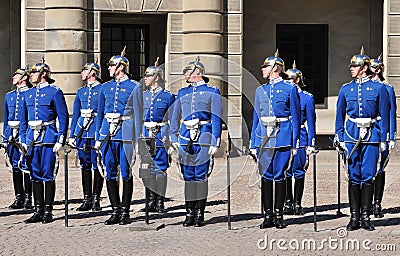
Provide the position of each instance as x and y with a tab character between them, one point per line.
42	85
198	83
155	90
124	78
93	84
275	80
361	80
22	88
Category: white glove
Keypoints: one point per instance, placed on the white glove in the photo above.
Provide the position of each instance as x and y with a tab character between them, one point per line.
392	144
382	146
213	150
97	145
71	141
310	150
57	147
294	151
175	145
4	144
253	151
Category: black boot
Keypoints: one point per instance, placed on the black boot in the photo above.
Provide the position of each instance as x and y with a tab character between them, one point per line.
288	208
298	195
38	196
161	190
379	186
47	215
27	191
113	194
266	190
280	189
127	190
200	207
354	200
97	188
49	194
18	191
151	196
367	192
87	191
86	204
190	206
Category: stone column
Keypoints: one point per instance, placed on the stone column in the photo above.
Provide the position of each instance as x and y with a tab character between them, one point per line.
66	43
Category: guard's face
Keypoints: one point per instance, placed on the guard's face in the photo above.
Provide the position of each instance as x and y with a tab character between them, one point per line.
355	71
375	70
34	77
15	79
149	79
84	74
191	77
266	71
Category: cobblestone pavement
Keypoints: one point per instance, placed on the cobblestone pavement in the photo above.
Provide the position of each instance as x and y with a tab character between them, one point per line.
87	235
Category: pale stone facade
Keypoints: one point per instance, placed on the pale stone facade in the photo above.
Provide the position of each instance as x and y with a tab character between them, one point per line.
68	33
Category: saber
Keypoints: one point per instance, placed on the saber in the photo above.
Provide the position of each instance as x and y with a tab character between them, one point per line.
66	185
315	188
338	213
228	180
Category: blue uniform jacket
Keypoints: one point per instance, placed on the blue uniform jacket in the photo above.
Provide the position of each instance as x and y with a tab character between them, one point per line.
87	97
158	108
13	104
393	109
123	97
202	101
362	98
45	102
281	99
307	131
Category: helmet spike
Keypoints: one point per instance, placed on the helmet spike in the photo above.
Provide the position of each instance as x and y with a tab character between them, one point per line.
362	52
380	58
276	54
198	59
123	51
294	64
43	61
156	62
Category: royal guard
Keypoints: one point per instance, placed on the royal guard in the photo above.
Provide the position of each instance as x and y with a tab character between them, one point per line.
158	106
119	123
275	136
82	132
361	137
43	138
377	69
198	138
307	145
12	115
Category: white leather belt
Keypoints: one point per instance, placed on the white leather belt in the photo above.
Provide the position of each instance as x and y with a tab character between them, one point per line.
39	124
150	125
364	122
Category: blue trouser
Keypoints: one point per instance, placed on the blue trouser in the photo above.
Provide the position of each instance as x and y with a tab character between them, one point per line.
299	160
362	165
117	153
160	161
384	156
41	161
274	162
87	159
15	155
195	163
